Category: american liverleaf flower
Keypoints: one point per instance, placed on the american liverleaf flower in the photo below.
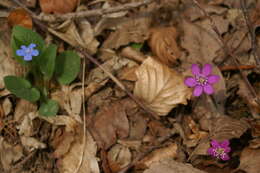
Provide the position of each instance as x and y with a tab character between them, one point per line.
202	80
27	52
220	150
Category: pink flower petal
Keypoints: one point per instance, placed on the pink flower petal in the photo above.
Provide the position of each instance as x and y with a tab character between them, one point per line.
208	89
211	151
195	69
224	143
213	79
190	82
198	90
224	157
206	70
227	149
214	143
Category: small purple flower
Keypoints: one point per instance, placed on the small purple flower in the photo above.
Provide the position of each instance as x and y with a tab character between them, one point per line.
27	52
202	80
220	150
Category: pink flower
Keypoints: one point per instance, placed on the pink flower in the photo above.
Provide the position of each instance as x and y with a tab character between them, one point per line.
220	150
202	80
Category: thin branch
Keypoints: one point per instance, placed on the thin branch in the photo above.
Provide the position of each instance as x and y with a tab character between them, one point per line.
90	13
232	67
251	31
84	116
227	51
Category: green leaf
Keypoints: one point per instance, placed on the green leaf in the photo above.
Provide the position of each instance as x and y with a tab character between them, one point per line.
67	67
47	61
49	108
21	88
23	36
137	46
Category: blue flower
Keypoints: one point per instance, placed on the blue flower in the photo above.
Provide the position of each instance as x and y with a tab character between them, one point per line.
27	52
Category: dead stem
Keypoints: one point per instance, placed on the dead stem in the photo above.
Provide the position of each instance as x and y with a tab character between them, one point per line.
89	13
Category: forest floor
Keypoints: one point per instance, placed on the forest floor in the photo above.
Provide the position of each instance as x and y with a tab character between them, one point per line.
169	86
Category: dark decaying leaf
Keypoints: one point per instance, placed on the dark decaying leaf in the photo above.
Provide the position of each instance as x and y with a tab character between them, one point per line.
111	123
171	166
224	127
132	30
249	160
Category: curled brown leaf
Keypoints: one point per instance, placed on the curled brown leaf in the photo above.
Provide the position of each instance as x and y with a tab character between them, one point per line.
58	6
20	17
163	44
160	87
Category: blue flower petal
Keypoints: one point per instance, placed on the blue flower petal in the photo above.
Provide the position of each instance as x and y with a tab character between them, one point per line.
20	52
27	57
35	53
32	45
23	47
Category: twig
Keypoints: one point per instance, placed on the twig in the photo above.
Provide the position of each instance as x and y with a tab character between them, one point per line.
89	13
227	51
251	31
231	67
28	157
84	115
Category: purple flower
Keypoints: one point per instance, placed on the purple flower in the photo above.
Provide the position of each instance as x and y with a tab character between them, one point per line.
27	52
220	150
202	80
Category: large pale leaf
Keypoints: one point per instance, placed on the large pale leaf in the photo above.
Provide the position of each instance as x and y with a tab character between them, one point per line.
160	87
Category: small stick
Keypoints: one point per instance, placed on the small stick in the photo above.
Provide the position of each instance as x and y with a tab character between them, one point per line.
232	67
91	13
225	48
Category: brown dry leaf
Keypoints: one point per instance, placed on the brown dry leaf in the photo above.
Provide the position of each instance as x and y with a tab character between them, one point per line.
131	30
163	44
7	64
9	154
118	157
22	109
193	12
138	126
78	34
249	160
69	162
224	127
20	17
193	133
128	73
254	143
160	87
171	166
111	123
158	155
7	106
201	41
255	126
133	54
58	6
31	143
249	99
61	120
